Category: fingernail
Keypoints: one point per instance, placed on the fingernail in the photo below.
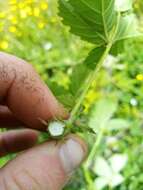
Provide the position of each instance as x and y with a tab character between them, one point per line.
72	154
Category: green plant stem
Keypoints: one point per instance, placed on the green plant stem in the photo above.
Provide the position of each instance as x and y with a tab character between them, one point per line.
85	88
91	157
88	83
76	108
101	132
88	178
95	147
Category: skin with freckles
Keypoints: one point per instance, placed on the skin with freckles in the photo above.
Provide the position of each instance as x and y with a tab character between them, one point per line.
24	98
21	82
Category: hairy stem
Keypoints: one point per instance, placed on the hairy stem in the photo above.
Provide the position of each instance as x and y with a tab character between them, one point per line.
92	154
75	110
91	157
95	147
88	178
88	83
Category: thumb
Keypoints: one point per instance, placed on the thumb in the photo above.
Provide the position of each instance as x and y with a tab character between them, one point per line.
47	166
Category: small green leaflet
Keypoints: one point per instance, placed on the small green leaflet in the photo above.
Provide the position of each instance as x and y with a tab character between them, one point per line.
94	56
77	78
62	94
118	48
97	21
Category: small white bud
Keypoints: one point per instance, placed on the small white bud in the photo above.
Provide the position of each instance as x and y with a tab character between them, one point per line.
56	128
48	46
133	102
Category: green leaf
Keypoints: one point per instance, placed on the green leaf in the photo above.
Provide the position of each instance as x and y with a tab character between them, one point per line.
128	27
94	56
67	100
62	94
101	114
92	20
78	77
97	21
118	48
57	89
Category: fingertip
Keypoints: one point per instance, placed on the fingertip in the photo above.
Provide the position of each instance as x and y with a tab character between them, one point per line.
26	95
51	164
17	140
72	153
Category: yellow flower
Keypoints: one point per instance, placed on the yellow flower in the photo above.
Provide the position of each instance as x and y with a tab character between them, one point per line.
12	1
23	13
4	44
86	107
28	9
13	19
30	1
90	99
2	14
41	25
13	7
10	17
36	11
44	5
21	5
91	95
12	29
139	77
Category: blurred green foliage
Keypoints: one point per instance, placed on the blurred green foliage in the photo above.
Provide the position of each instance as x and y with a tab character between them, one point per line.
32	30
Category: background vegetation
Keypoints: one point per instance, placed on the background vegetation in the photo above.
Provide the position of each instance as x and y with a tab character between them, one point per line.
32	30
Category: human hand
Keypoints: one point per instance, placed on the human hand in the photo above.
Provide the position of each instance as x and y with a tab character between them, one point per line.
24	98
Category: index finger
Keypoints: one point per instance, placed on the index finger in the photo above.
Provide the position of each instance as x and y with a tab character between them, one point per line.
25	93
